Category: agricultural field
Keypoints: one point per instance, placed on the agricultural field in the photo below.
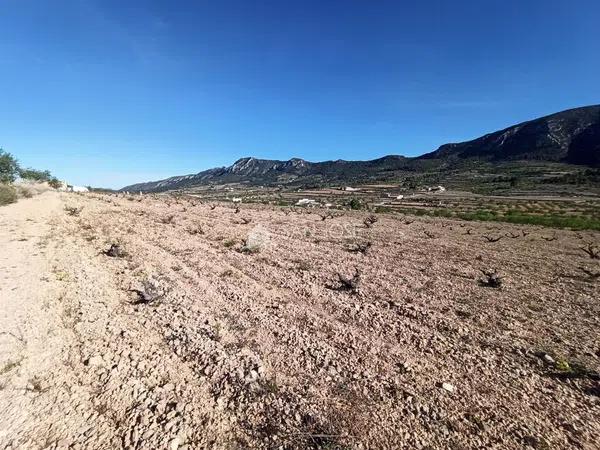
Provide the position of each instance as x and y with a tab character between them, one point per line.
579	212
194	322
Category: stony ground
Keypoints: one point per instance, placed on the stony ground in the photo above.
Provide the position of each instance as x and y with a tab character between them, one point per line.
146	323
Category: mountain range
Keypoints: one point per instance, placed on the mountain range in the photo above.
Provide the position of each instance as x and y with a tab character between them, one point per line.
568	137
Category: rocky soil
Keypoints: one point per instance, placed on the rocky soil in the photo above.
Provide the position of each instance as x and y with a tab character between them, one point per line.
146	322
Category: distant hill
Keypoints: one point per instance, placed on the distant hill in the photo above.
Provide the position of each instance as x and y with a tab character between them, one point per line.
570	137
296	171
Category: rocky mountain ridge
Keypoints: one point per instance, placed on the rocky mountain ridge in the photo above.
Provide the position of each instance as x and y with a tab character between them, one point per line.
571	137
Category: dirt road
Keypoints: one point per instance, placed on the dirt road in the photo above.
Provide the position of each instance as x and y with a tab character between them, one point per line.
77	370
211	327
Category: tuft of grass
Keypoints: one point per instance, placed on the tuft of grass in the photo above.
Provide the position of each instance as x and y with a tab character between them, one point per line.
73	210
250	250
563	366
217	332
10	365
563	369
195	229
229	243
355	204
270	385
61	275
8	194
226	273
35	385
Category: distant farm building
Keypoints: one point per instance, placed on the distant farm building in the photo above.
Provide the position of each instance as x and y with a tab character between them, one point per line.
306	202
395	196
436	189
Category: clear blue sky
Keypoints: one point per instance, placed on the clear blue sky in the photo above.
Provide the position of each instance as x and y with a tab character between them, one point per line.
109	93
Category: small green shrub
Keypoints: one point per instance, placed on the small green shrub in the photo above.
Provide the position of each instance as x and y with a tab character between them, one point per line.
442	212
229	243
54	183
355	204
479	214
588	221
8	194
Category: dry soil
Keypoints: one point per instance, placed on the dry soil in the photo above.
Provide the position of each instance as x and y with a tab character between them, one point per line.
211	326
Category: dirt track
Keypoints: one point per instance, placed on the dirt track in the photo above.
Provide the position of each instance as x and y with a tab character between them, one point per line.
191	340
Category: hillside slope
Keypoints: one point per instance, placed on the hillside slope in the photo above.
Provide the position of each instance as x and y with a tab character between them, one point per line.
295	171
571	137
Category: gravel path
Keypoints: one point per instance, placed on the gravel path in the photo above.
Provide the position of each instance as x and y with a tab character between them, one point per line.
207	327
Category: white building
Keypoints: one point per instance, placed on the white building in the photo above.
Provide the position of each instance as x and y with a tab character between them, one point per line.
306	202
436	189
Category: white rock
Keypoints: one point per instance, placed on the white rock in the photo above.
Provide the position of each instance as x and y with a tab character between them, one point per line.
548	359
404	366
96	361
448	387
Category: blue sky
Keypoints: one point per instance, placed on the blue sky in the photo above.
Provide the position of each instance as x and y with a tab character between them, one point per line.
109	93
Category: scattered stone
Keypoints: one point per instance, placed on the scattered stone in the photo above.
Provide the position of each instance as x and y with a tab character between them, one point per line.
404	367
94	361
447	387
115	251
548	359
